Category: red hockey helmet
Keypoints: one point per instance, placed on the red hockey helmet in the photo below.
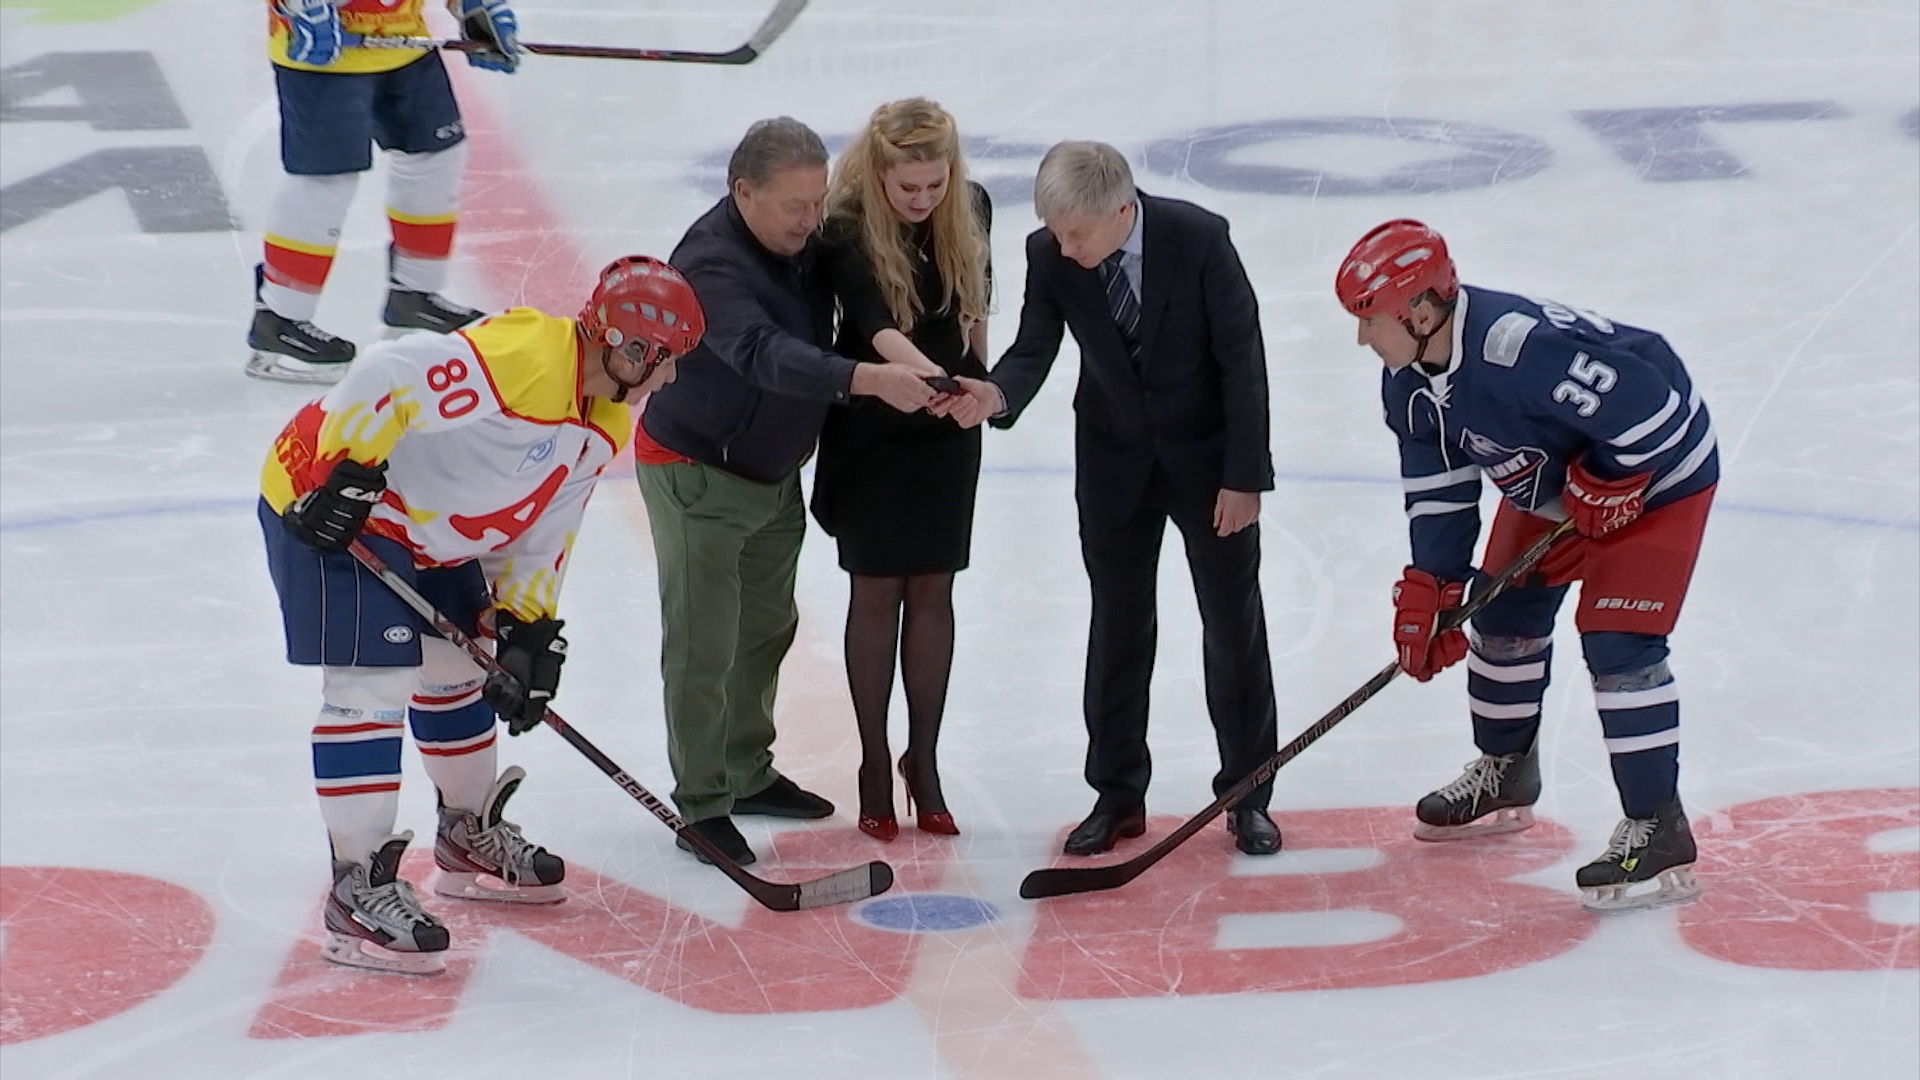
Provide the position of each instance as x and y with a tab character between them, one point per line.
1392	266
641	299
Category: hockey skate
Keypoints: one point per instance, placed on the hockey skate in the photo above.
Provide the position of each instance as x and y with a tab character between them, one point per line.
1494	795
484	857
375	921
292	350
410	310
1658	849
414	309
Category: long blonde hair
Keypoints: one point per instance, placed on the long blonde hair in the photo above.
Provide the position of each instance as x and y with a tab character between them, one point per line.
899	132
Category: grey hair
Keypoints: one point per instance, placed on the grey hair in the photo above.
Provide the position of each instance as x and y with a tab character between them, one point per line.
772	145
1088	179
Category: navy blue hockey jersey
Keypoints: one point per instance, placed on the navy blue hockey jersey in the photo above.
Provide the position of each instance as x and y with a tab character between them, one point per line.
1532	385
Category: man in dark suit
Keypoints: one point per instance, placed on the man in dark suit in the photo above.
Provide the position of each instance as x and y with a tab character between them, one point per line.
1171	425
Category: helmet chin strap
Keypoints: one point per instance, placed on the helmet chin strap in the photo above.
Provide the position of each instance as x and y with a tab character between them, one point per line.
647	368
1422	340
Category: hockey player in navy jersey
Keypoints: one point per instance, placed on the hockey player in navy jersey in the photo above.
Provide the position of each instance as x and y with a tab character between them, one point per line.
1569	414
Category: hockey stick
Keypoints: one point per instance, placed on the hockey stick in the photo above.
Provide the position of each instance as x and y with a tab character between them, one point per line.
770	29
1063	881
841	887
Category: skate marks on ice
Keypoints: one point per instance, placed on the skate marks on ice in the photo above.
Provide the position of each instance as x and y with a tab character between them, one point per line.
510	231
771	962
1820	881
84	945
1353	900
1817	881
965	981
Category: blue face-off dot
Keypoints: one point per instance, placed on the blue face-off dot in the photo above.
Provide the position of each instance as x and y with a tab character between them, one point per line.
926	913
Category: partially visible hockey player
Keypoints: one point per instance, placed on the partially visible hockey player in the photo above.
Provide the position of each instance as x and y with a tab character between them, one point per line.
338	98
465	461
1569	414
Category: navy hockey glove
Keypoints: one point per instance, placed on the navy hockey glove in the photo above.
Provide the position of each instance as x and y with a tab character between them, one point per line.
331	515
531	653
491	23
313	31
1598	506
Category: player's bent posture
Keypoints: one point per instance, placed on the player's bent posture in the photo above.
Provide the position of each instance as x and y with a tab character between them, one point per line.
338	98
1569	414
465	461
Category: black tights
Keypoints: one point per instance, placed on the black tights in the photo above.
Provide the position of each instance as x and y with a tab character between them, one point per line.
913	617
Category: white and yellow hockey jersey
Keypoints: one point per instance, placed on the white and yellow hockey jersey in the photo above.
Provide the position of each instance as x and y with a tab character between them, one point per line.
358	19
491	450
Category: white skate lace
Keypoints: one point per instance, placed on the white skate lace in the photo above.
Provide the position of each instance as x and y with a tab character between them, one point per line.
394	902
503	846
1482	778
1631	833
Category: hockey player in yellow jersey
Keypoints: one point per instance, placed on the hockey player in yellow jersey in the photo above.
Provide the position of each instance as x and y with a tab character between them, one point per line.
340	97
465	461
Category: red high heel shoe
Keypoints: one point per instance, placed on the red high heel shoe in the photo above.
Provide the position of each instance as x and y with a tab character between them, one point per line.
883	829
939	823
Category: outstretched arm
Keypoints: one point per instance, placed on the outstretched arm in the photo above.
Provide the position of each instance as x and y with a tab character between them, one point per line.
1024	366
742	333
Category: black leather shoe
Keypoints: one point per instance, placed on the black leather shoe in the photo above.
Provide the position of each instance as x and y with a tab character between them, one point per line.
1253	832
783	798
723	835
1102	828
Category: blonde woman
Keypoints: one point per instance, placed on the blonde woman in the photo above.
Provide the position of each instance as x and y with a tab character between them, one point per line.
906	252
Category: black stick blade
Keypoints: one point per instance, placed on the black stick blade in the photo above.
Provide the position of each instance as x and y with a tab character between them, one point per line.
1066	881
844	887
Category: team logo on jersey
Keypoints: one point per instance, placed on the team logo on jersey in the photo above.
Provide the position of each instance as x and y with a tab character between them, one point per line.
1517	472
399	635
537	456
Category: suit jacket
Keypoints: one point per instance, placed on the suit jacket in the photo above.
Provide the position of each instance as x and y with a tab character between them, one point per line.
1196	405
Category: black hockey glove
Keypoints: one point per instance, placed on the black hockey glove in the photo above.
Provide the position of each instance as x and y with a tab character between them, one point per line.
330	516
531	653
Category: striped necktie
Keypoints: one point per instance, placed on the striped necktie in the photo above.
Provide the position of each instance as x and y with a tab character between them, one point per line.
1122	303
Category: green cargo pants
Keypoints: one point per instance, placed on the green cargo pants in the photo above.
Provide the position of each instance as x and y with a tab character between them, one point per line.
728	550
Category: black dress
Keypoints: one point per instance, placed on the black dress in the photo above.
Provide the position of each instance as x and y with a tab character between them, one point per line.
896	489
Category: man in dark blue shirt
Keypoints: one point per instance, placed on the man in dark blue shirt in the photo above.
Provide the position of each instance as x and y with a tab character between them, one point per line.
718	455
1570	415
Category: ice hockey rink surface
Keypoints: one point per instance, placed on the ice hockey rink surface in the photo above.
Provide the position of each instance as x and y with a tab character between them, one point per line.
1744	177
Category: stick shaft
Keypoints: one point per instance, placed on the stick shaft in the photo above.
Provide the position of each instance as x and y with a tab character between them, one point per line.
765	34
1063	880
835	888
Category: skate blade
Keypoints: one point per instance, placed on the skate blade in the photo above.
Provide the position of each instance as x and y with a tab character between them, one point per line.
350	951
1511	819
1676	886
471	886
276	368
